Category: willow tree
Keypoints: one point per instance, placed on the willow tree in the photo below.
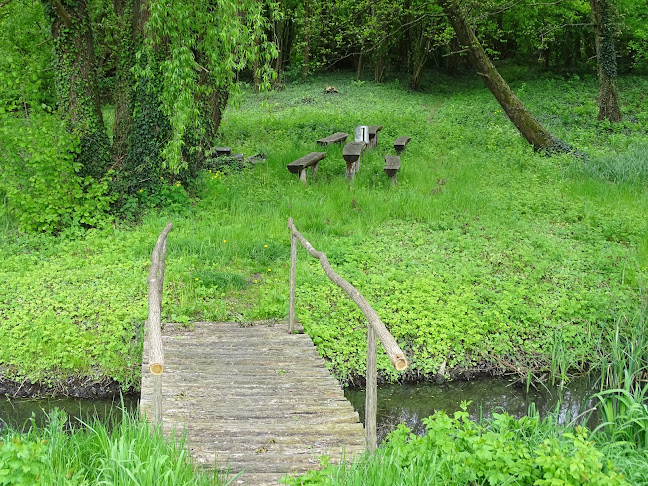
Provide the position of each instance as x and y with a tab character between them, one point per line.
532	130
608	101
185	56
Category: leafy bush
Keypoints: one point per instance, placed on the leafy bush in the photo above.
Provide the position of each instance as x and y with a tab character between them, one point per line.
40	184
458	451
126	453
23	462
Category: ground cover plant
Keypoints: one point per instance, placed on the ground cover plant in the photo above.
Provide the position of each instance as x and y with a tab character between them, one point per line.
458	451
486	255
68	454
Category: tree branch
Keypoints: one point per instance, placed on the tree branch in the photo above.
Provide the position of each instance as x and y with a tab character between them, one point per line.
62	12
5	3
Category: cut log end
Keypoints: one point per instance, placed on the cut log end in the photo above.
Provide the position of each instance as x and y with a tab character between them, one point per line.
400	363
156	368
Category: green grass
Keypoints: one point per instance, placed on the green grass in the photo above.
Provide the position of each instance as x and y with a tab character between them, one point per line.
95	453
481	256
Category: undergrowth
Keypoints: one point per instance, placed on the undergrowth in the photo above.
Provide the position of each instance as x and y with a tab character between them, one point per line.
485	254
458	451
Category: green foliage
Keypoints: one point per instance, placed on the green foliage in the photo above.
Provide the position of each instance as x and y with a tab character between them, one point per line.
41	184
129	453
226	39
44	185
23	462
624	393
628	167
457	451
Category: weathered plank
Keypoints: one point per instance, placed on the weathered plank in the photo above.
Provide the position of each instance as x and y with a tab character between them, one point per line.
251	399
392	166
351	154
400	143
338	137
373	135
219	151
311	160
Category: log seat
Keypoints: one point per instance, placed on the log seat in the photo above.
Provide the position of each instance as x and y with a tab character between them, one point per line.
338	137
311	160
392	166
401	143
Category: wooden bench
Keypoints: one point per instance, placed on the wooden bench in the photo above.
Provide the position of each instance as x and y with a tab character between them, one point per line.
351	153
373	135
401	143
392	166
338	137
222	151
311	160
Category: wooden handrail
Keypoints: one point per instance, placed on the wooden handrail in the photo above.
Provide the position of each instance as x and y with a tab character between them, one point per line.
375	330
154	321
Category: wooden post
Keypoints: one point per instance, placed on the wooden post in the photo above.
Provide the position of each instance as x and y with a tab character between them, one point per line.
293	281
157	399
371	400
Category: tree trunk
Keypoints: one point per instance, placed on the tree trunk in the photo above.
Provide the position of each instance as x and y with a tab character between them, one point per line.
76	83
527	125
608	100
360	65
123	83
307	38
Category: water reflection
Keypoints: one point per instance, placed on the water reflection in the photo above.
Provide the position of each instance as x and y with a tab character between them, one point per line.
17	413
411	403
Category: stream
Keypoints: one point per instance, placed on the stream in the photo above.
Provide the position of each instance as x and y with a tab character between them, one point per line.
409	403
17	413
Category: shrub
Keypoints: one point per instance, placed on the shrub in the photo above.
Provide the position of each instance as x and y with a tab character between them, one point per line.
40	181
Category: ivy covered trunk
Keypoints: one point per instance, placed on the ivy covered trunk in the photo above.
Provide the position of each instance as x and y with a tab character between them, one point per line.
602	14
123	82
141	130
527	125
76	83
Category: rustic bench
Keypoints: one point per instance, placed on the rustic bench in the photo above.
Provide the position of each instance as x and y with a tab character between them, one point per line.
401	143
392	166
351	153
311	160
338	137
373	135
222	151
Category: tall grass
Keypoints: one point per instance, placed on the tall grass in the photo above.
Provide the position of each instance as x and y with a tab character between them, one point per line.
623	397
629	166
131	453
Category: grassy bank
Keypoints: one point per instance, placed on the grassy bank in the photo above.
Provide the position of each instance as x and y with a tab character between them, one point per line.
96	453
485	255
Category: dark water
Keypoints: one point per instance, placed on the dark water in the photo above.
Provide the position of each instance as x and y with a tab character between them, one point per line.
17	413
409	403
412	403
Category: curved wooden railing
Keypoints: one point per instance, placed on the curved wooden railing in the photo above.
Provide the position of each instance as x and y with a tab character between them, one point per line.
154	321
375	329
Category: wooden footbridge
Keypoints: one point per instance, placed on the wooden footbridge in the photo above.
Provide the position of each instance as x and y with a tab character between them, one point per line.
255	400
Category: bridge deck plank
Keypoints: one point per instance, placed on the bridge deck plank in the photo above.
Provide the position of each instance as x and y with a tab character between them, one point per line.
253	400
